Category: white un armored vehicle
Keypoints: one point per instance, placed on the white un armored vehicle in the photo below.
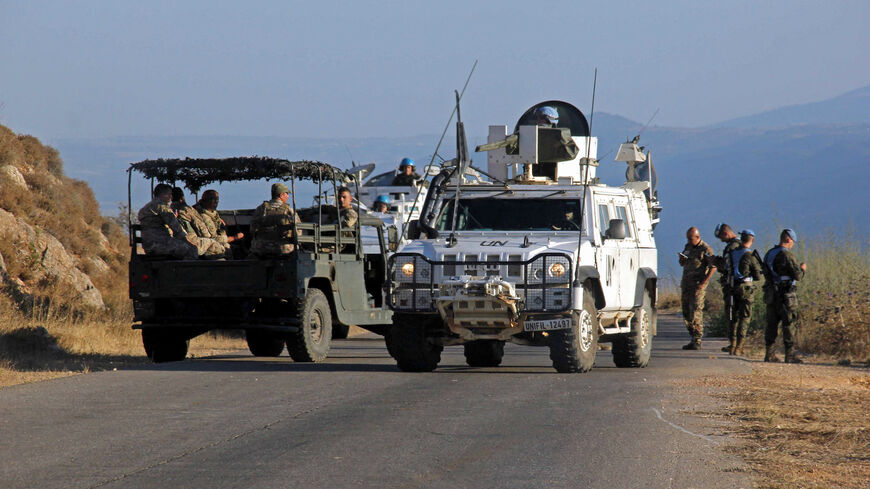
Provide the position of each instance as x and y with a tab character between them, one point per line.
540	253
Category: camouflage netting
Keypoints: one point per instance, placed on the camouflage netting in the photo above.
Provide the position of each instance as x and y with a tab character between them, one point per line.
196	173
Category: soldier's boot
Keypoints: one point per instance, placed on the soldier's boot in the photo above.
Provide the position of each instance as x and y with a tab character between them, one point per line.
738	347
695	344
730	347
790	357
770	354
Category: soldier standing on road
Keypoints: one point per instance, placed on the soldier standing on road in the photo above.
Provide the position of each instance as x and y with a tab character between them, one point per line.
746	271
162	233
780	295
272	225
732	242
696	275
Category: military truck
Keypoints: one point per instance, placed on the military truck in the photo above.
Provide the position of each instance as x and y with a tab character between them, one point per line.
304	300
541	253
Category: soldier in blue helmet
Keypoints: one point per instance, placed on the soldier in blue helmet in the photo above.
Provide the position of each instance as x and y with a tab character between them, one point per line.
780	295
746	271
546	116
406	176
382	204
732	242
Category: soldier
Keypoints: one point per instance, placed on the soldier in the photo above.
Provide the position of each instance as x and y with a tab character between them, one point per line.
696	275
346	214
162	233
207	208
780	295
207	244
546	116
406	176
382	204
732	242
272	225
746	271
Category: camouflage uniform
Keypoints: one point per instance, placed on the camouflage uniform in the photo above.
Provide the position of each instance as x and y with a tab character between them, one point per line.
162	233
212	220
207	244
723	264
780	295
272	229
745	284
694	272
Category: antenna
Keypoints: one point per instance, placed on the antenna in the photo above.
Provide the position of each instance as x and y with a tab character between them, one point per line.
585	182
642	129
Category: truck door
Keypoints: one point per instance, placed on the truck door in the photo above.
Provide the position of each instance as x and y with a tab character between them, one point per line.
628	254
607	254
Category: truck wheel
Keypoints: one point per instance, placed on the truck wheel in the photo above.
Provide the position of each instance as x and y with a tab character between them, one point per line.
163	346
633	350
340	331
484	353
311	342
573	350
264	343
408	344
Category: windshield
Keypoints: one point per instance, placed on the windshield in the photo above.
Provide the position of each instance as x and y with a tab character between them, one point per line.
512	215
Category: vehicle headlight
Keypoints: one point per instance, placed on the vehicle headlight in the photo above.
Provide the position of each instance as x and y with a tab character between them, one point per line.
408	269
557	270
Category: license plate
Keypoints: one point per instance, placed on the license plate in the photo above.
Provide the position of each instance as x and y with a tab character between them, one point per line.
547	324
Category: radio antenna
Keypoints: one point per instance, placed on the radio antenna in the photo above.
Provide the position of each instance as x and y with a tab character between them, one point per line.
576	283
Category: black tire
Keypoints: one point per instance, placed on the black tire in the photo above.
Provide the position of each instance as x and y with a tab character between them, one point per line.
633	350
484	353
311	342
340	331
573	350
264	343
408	344
164	346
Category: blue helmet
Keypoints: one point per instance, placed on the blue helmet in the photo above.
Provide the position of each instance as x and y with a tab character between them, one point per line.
384	198
548	113
406	162
747	232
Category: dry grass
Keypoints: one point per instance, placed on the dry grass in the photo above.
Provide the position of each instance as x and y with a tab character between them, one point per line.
799	426
46	346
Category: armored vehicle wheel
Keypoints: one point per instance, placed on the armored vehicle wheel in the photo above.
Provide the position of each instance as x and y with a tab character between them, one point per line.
633	350
573	350
264	343
311	342
410	347
339	331
484	353
164	346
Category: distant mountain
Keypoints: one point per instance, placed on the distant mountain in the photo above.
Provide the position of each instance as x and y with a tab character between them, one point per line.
850	108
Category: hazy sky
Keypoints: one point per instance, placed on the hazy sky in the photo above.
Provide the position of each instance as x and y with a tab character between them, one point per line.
94	69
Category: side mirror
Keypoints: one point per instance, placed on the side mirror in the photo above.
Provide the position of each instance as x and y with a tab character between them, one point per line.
392	238
414	229
616	229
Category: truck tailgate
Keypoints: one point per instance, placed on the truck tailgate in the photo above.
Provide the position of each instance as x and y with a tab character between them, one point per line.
232	278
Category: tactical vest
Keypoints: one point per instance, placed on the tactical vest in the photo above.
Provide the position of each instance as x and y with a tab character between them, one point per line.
736	256
769	258
276	224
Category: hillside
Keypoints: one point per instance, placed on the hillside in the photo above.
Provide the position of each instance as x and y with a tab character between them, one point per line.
849	108
57	252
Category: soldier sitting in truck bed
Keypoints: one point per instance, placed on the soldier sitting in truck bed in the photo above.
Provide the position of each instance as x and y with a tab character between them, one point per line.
162	233
272	225
207	244
207	208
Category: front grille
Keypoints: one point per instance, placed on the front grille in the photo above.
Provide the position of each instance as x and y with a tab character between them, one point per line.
415	279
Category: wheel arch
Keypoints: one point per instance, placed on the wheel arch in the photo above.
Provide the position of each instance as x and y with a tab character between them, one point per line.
647	283
324	285
590	274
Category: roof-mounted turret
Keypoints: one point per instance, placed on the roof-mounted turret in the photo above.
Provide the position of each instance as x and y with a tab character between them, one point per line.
543	152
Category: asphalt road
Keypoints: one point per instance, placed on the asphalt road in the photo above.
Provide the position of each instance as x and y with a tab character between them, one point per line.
356	421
